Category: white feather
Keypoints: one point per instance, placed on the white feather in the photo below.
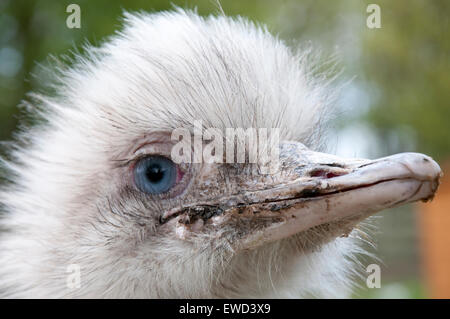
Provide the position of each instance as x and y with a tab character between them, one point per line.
161	72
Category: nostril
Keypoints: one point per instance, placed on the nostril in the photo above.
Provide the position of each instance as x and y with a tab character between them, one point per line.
325	174
331	175
318	173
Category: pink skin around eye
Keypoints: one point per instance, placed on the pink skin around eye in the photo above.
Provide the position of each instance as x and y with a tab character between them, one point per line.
180	175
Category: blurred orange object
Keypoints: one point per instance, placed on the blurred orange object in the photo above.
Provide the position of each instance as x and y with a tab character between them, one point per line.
434	223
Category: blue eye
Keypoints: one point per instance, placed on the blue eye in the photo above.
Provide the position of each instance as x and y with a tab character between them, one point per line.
155	174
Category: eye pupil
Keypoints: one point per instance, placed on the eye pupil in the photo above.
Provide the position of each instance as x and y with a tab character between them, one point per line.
155	174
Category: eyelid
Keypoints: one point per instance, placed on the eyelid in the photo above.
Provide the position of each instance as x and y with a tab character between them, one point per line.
153	139
148	149
162	149
144	150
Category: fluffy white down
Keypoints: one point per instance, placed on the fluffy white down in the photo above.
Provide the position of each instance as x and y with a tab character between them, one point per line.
162	71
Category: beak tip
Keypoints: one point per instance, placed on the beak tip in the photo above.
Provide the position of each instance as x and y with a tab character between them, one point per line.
425	169
421	166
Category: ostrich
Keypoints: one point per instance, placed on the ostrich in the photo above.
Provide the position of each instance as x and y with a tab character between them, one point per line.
93	183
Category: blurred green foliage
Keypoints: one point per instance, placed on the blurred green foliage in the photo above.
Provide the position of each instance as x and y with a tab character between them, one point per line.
407	64
404	66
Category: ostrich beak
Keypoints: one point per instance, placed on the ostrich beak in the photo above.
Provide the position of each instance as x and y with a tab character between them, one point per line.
314	188
332	189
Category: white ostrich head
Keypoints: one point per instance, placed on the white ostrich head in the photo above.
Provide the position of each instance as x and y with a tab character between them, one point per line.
94	185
